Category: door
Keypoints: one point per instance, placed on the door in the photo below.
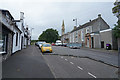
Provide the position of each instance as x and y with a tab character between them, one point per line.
102	44
21	42
88	42
92	40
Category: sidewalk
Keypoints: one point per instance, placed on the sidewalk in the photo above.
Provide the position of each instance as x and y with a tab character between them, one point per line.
112	52
27	63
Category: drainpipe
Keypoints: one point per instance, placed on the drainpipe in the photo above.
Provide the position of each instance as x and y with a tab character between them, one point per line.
99	15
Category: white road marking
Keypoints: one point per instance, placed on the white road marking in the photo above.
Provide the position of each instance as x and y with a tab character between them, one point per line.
92	75
71	62
66	59
80	67
61	57
72	57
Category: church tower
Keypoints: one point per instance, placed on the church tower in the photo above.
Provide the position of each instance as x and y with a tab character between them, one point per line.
63	28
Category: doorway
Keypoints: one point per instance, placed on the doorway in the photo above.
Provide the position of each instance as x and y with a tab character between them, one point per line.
102	44
92	40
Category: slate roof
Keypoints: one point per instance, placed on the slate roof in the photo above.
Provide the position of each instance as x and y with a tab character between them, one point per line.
3	10
85	25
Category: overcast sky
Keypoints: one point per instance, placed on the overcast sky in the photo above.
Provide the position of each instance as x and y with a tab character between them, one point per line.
44	14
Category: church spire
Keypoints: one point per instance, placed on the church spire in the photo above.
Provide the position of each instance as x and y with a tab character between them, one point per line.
63	23
63	28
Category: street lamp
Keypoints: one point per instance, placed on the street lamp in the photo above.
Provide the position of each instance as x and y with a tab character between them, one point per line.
76	21
31	32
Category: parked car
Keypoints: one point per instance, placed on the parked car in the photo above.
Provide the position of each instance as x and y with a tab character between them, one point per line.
37	43
70	45
75	46
46	47
58	43
40	44
64	44
53	44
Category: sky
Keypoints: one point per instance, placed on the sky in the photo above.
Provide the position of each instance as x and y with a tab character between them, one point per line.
44	14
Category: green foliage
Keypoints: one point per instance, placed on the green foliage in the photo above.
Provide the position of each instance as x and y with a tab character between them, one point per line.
117	29
115	9
33	41
50	35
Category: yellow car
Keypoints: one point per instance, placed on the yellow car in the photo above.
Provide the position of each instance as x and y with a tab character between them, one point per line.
46	47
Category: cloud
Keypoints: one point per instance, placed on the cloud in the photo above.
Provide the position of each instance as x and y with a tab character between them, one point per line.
42	15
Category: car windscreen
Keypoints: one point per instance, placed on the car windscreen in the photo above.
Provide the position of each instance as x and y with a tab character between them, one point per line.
46	45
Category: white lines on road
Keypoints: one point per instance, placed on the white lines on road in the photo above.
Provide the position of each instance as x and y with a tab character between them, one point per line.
61	57
80	67
71	62
66	59
92	75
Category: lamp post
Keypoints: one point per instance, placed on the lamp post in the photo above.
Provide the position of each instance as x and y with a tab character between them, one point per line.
31	32
76	21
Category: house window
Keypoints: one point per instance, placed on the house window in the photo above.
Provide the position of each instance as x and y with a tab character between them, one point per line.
76	36
87	30
82	35
3	44
16	39
73	37
70	38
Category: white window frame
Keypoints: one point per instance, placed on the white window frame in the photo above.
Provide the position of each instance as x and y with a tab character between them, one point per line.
4	44
76	36
73	37
82	35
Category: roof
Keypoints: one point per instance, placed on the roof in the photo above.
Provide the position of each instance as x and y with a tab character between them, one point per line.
3	10
16	25
85	25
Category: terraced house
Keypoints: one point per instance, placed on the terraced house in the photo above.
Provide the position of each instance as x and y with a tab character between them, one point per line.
12	33
93	34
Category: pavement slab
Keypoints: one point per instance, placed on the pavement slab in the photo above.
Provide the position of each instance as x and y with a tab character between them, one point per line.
27	63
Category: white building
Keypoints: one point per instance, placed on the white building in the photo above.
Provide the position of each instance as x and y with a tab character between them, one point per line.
16	39
13	34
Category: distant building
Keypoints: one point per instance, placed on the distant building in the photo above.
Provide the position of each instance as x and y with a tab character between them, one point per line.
65	38
92	34
16	39
62	31
63	28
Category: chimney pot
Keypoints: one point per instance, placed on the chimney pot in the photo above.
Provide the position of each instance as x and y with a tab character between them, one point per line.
99	15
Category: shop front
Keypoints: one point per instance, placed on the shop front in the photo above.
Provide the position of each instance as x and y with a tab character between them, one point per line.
6	42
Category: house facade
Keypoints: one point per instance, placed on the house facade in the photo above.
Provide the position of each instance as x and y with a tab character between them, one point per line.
7	33
92	34
65	38
16	39
12	34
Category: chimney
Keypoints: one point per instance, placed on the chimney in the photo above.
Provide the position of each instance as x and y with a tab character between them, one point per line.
99	15
75	27
21	15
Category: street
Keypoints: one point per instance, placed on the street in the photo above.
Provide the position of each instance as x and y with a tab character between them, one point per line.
31	63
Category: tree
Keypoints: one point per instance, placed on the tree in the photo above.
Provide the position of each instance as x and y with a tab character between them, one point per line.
50	35
117	29
116	11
